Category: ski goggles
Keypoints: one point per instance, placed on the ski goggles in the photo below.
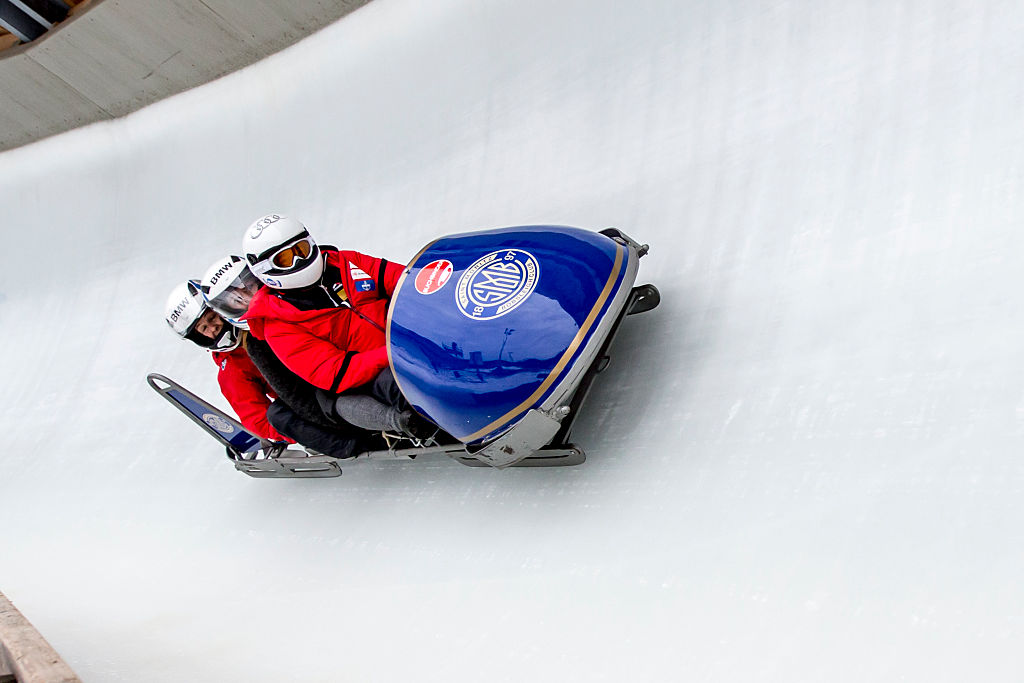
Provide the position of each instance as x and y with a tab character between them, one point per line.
286	257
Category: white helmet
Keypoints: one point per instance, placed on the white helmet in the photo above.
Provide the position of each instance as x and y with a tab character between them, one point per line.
185	306
281	253
229	287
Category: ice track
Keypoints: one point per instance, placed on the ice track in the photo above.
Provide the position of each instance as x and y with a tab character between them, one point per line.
805	465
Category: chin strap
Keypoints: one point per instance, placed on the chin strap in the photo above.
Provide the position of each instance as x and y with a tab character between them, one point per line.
225	335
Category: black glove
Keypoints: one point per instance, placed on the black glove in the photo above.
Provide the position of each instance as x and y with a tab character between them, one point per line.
272	449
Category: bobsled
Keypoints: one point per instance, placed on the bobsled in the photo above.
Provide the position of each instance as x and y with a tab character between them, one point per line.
496	336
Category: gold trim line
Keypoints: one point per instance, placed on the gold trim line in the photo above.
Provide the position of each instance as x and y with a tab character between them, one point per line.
564	360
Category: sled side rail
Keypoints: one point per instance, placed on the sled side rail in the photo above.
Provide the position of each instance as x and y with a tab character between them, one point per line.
25	656
291	467
319	466
215	422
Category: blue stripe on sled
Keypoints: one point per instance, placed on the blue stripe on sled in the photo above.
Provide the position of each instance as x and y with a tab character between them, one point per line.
239	438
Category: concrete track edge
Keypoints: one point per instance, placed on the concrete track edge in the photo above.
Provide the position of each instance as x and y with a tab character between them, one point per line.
24	653
75	74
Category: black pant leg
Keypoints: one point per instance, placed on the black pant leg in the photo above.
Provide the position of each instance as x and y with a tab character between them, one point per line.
343	442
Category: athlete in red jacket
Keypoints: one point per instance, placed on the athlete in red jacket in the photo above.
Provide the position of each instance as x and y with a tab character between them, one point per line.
323	312
331	333
240	382
247	392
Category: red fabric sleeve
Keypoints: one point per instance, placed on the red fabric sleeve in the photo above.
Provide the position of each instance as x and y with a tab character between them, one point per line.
246	391
392	274
320	362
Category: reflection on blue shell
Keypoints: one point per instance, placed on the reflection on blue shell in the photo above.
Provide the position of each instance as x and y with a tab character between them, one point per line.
485	324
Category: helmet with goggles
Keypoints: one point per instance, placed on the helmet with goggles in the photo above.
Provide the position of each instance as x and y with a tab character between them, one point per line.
187	313
229	287
281	254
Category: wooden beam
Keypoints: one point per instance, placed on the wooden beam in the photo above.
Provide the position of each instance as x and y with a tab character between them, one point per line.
7	39
25	653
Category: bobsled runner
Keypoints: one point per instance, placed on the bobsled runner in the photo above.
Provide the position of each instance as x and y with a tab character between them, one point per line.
495	337
249	455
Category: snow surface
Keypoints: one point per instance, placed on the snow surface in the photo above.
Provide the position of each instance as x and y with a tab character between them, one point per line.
806	465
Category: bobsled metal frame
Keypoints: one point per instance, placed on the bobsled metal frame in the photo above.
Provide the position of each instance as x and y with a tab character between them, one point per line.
544	428
294	463
165	386
642	298
291	464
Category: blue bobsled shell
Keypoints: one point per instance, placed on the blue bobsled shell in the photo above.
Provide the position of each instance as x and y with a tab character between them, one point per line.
486	325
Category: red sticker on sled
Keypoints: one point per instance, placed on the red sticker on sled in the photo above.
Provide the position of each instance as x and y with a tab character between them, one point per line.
433	276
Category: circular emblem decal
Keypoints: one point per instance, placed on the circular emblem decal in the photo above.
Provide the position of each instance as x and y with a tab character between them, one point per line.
433	276
218	423
497	284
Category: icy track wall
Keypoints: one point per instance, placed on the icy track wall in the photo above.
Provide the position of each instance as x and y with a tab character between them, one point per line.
805	465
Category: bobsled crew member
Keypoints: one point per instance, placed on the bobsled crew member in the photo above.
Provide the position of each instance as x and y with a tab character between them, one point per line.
323	312
228	288
241	383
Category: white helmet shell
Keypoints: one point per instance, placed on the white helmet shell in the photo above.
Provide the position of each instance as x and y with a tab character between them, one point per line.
184	307
275	235
229	287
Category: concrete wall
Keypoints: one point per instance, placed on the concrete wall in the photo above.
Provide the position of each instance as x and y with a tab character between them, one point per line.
121	55
25	656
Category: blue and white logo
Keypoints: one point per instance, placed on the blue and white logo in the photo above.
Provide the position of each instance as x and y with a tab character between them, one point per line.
363	282
218	423
497	284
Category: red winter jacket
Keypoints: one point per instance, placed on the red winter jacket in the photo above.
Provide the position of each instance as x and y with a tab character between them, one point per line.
331	334
247	392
